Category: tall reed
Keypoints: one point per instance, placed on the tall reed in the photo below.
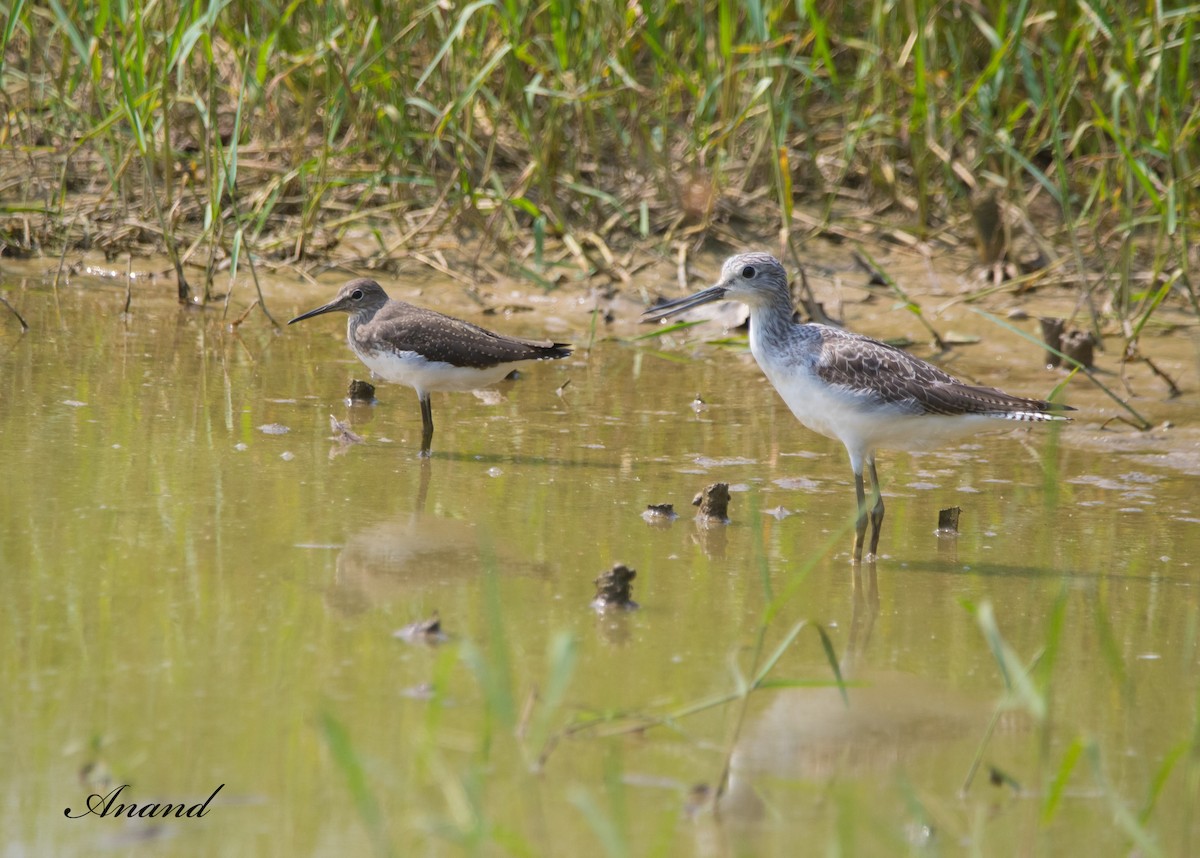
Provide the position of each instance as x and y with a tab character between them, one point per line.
597	125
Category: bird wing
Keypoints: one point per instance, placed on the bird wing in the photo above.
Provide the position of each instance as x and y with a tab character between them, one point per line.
899	379
438	337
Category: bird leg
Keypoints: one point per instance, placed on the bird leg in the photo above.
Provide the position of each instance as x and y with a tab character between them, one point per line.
426	425
860	524
876	511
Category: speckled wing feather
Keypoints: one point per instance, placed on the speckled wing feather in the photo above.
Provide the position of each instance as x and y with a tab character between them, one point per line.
438	337
890	375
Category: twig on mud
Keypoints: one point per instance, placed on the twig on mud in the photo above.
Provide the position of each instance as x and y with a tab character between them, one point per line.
909	304
258	288
62	261
877	276
128	285
13	310
438	263
1133	353
182	290
238	321
809	300
253	270
1139	421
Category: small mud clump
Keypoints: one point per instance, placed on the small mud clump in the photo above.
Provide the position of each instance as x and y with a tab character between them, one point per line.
342	433
713	502
423	632
360	392
614	589
1076	344
1080	346
989	228
658	513
948	521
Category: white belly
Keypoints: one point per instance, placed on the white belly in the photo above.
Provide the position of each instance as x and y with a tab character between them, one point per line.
426	376
861	424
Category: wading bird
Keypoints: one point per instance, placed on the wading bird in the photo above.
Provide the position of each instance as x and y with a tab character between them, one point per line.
864	393
427	350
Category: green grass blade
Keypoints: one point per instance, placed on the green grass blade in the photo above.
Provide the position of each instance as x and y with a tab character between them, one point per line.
1058	786
346	759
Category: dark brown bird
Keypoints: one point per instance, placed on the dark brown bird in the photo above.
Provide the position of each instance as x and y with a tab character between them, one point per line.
427	350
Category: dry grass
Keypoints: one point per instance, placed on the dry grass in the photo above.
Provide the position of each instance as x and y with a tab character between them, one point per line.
576	132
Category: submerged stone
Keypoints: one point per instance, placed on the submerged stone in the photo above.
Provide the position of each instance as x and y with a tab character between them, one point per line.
614	589
1079	346
948	521
1076	344
360	392
660	513
988	219
713	501
423	631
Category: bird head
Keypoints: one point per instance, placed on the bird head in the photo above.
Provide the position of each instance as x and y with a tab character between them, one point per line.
361	296
752	278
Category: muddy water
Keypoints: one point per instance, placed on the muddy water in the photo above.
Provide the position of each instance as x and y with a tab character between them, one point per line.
191	599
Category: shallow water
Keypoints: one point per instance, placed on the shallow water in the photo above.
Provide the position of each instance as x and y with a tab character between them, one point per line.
192	600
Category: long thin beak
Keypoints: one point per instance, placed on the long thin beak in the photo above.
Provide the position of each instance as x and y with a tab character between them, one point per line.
328	308
671	308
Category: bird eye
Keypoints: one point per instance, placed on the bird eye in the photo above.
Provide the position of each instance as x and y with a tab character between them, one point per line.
748	272
356	295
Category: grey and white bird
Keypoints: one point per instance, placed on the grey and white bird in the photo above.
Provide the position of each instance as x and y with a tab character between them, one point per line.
427	350
864	393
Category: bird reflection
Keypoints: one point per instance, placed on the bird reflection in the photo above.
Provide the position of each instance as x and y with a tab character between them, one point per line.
413	554
812	734
393	559
864	610
712	537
